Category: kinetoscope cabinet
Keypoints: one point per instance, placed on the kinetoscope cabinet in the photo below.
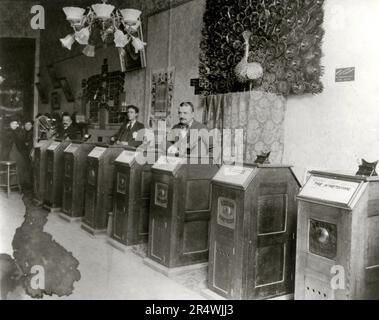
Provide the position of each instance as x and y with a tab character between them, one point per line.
179	212
131	198
75	165
338	229
39	168
54	173
99	187
252	236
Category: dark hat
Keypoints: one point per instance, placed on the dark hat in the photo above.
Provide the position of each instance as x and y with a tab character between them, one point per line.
26	119
14	117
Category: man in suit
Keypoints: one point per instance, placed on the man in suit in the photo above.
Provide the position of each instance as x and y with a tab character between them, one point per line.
131	132
68	130
189	137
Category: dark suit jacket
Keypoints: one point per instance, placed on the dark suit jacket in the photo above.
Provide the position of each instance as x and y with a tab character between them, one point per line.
9	138
133	136
202	140
28	140
70	133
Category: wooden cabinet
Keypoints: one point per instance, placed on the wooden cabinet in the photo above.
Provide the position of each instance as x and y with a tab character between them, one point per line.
99	187
75	168
338	238
252	234
179	212
39	169
54	173
131	198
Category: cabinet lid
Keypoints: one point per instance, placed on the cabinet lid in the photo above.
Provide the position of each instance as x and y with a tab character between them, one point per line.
336	190
169	164
126	157
97	152
40	144
238	176
53	145
72	148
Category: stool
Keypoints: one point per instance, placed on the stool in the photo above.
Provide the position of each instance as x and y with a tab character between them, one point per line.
10	171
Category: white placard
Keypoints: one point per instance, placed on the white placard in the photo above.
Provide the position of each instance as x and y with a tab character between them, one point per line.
327	189
167	163
53	145
71	148
97	152
235	175
126	157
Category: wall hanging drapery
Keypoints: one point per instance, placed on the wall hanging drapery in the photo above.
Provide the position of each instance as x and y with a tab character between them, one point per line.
258	113
284	48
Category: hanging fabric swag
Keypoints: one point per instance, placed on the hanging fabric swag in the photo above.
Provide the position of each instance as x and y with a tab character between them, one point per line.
259	114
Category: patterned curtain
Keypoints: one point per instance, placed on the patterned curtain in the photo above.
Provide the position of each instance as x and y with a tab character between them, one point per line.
259	114
213	107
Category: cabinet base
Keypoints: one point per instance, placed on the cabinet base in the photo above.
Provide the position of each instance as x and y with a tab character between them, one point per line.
118	245
37	202
170	272
285	297
211	295
67	218
94	232
51	208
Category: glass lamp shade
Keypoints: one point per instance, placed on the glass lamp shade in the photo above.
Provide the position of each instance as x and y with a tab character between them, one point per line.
82	36
138	44
68	41
89	50
102	10
130	16
121	39
133	27
74	14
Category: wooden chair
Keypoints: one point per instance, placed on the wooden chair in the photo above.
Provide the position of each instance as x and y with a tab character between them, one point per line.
9	168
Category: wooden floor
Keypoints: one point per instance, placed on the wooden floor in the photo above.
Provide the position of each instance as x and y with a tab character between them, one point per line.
106	272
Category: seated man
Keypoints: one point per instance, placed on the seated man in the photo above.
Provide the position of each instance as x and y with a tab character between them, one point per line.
200	146
68	131
131	132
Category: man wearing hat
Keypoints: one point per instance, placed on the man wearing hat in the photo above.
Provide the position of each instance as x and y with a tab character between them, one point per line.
15	150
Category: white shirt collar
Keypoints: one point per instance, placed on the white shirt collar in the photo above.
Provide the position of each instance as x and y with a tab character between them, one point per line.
190	123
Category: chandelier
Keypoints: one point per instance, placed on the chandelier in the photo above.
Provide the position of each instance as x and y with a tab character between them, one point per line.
121	25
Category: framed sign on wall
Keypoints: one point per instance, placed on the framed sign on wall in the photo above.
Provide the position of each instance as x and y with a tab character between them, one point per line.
162	90
55	100
66	90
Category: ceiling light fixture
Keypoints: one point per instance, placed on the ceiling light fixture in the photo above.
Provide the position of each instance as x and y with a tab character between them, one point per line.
120	25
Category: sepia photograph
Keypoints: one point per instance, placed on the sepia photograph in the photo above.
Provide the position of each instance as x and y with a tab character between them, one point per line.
212	152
